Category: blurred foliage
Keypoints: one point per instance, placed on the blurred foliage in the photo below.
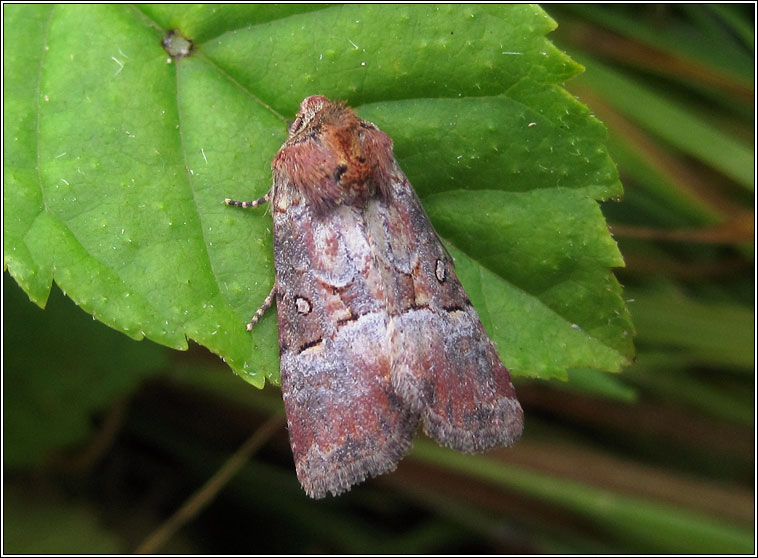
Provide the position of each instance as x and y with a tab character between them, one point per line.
658	459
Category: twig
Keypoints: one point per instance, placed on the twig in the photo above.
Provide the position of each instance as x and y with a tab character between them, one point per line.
202	497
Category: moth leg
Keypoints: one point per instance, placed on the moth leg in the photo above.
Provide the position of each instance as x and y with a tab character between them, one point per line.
262	310
246	204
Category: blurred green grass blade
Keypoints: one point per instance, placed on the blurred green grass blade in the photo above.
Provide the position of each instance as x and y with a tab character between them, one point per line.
716	333
669	376
738	24
710	23
678	38
653	526
669	120
592	382
652	197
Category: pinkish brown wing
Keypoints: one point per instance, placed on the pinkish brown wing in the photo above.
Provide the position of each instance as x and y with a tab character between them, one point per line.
443	363
346	422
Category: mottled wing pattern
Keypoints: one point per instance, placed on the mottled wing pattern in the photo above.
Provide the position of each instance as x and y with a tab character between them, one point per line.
345	420
443	363
376	333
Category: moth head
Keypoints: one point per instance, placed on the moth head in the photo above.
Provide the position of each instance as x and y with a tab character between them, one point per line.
332	157
310	109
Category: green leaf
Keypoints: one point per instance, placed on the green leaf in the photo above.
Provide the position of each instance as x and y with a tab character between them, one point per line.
203	23
530	137
562	263
118	159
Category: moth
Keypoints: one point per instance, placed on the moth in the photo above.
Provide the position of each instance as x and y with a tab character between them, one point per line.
376	334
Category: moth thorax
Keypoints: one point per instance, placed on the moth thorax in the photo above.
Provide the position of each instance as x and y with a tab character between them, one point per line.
359	191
